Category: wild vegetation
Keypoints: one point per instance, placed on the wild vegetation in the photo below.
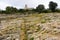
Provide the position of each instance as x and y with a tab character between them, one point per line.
30	27
36	24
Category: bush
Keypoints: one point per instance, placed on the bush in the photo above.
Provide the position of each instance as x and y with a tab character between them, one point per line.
32	38
58	10
43	21
40	8
47	11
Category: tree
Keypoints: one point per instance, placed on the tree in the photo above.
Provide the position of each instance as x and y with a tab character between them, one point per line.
52	6
21	10
11	9
40	8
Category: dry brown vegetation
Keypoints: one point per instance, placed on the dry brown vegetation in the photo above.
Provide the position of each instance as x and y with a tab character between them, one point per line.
42	26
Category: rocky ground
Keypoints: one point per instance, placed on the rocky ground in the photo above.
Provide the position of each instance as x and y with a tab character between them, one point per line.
44	26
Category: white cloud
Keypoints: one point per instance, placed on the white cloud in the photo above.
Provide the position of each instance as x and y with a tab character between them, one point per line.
3	5
21	3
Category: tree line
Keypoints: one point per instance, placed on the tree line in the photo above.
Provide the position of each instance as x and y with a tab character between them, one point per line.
40	8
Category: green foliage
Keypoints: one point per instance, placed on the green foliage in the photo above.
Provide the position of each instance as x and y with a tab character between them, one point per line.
47	11
40	8
34	10
58	10
52	6
43	21
32	38
2	11
11	10
21	10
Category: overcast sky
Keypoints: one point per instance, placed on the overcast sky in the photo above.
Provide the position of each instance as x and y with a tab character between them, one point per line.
30	3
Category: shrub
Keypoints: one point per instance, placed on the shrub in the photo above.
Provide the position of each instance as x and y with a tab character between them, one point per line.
32	38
